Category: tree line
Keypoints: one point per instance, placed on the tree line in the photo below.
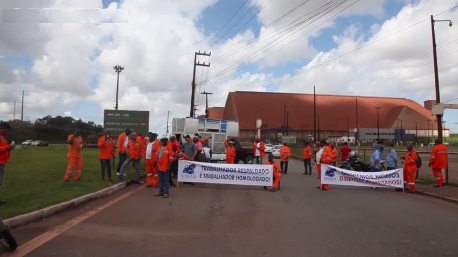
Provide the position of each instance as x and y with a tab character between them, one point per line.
53	129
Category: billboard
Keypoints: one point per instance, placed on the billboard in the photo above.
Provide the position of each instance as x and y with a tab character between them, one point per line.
118	121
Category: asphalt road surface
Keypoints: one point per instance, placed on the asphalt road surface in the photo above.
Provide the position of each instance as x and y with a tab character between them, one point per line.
228	221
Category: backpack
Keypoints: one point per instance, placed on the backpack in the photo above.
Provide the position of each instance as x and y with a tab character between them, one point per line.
418	162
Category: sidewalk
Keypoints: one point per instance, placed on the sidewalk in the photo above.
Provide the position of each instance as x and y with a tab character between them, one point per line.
447	193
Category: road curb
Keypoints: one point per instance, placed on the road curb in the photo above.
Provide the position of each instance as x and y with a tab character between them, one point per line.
433	195
27	218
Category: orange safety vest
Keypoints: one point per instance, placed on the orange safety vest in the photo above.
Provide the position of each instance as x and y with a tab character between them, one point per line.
285	152
74	150
307	152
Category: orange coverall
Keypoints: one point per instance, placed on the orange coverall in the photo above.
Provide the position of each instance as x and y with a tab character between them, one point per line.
152	177
410	168
230	152
285	153
333	154
277	174
325	159
439	161
75	158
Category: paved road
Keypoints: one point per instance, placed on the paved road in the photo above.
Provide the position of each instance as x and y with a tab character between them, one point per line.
215	220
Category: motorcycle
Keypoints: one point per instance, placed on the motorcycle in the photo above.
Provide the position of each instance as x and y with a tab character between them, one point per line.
355	163
6	238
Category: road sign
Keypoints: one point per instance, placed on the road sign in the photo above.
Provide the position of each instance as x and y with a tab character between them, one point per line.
118	121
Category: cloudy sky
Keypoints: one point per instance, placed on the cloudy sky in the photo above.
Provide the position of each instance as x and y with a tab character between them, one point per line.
61	53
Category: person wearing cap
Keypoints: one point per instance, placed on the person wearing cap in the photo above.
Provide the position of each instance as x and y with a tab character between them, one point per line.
152	177
231	152
134	156
285	153
106	153
375	159
74	156
259	150
122	144
391	158
5	149
162	158
307	156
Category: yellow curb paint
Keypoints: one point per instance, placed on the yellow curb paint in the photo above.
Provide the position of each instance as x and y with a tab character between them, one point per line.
47	236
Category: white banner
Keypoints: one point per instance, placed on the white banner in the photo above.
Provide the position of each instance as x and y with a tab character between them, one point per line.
337	176
233	174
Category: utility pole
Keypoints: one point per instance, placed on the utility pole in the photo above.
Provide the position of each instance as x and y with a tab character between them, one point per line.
357	123
206	102
436	77
167	131
193	84
378	124
287	121
22	109
118	70
314	115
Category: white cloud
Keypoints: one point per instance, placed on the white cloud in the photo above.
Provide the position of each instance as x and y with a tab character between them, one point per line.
74	62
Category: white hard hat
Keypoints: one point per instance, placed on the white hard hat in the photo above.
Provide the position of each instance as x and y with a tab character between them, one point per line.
164	137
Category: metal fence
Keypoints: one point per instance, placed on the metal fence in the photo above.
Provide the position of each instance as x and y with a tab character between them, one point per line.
423	172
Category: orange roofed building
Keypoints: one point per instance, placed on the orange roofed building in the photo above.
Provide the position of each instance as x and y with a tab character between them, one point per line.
292	114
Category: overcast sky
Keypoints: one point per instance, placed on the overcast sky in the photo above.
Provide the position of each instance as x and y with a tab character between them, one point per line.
61	53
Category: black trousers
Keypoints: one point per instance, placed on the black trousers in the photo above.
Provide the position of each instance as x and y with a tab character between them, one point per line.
284	166
308	166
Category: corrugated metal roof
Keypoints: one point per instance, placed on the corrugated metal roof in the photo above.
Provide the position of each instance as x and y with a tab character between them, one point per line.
335	112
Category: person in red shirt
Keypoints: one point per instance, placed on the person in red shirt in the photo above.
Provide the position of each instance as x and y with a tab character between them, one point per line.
438	161
106	154
276	173
163	157
345	152
74	156
308	158
5	149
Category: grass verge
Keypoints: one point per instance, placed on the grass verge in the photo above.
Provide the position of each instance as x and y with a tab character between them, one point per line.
34	179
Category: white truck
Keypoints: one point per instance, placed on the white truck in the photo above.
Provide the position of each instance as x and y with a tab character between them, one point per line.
216	130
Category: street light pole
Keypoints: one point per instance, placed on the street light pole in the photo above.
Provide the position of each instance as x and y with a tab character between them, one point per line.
436	75
118	70
378	124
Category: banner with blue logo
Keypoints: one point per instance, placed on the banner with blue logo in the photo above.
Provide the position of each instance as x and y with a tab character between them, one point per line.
232	174
337	176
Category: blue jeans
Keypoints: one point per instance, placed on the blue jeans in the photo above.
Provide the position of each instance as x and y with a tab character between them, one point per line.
164	182
258	159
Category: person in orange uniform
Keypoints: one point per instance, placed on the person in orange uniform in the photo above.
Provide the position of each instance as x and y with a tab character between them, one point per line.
231	152
438	161
259	150
152	179
326	158
5	149
122	143
307	158
276	172
174	147
285	153
134	148
163	157
74	156
106	153
333	154
410	167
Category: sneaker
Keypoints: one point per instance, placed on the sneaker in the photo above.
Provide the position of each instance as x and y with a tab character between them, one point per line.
165	196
